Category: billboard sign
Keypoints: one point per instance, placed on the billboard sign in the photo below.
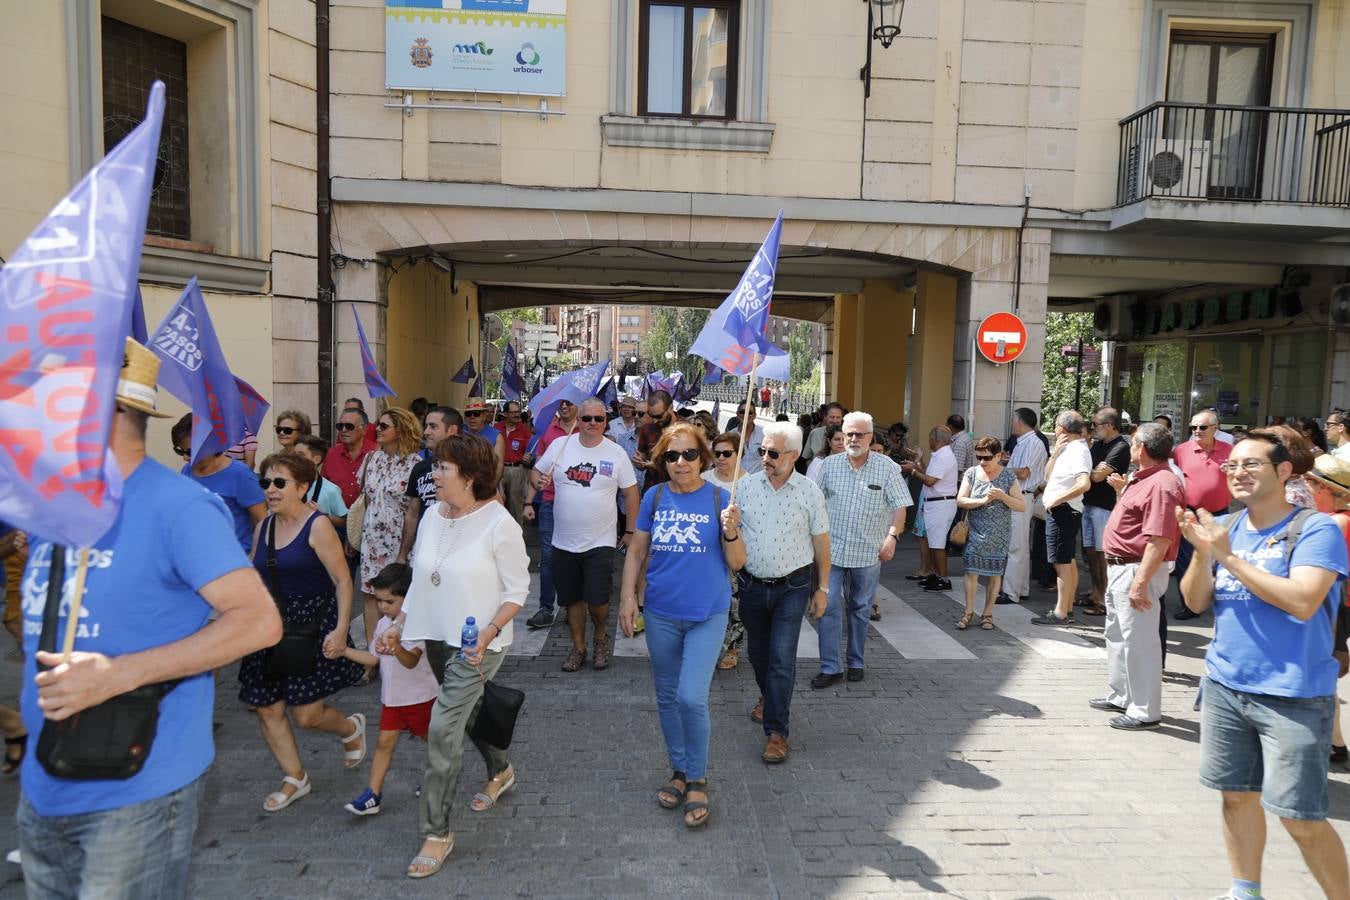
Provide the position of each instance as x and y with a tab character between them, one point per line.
486	46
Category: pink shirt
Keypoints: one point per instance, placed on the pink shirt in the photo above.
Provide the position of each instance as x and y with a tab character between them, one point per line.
1206	485
399	685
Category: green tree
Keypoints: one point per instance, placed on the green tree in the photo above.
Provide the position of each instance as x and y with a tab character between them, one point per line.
674	331
801	360
1060	385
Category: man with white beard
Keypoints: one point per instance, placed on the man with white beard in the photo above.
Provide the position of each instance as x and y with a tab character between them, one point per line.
866	497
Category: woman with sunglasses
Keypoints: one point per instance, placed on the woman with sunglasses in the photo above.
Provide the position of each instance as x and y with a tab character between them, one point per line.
687	544
291	426
398	438
723	474
989	494
309	582
227	478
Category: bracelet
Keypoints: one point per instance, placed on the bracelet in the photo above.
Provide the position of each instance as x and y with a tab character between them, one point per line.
731	540
822	590
892	535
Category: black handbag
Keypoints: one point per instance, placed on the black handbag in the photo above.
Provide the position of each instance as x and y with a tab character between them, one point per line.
110	741
294	655
495	721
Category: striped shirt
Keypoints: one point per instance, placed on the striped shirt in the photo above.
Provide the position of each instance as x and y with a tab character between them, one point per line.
862	504
777	525
1030	453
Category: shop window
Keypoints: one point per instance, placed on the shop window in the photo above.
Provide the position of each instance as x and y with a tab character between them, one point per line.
687	58
1298	370
1225	376
1151	381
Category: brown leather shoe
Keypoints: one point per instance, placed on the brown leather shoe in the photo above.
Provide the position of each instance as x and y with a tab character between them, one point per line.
757	714
775	750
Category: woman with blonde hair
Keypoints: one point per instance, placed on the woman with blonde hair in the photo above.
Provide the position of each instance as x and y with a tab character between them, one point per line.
384	483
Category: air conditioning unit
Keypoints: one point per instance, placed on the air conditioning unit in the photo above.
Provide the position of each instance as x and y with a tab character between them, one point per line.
1113	318
1172	168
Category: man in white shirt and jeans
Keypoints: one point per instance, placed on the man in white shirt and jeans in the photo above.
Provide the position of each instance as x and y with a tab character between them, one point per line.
587	472
1068	475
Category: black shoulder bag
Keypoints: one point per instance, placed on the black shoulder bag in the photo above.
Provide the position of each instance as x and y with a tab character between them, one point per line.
294	655
108	741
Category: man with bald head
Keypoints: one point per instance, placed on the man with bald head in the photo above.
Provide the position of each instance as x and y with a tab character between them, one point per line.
1201	460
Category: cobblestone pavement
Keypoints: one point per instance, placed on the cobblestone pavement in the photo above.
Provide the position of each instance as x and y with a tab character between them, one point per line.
967	764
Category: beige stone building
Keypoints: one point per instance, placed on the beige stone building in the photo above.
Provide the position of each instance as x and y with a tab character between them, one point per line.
1127	156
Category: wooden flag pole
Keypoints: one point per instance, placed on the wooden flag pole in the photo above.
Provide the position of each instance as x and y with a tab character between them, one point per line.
740	445
76	604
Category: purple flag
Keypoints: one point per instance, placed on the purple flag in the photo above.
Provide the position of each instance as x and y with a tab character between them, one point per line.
609	393
747	319
717	413
195	371
465	374
573	387
513	383
712	374
718	347
255	406
138	330
66	296
476	390
376	386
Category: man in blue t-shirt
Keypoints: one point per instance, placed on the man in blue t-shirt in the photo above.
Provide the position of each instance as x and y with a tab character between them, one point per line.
1273	575
167	561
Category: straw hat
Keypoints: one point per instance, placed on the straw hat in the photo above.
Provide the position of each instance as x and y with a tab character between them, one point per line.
1332	470
137	383
476	404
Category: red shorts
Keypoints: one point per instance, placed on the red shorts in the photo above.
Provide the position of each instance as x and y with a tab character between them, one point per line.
415	719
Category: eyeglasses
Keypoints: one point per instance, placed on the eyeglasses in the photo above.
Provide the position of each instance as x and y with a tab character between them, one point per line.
591	418
1201	427
382	426
279	483
285	431
724	454
1247	465
857	435
345	426
688	455
446	468
771	454
983	458
1337	423
473	413
184	452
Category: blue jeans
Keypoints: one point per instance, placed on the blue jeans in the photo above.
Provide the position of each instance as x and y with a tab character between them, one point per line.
854	589
137	852
772	616
547	596
684	655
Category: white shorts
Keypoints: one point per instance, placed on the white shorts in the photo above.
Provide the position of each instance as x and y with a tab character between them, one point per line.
938	516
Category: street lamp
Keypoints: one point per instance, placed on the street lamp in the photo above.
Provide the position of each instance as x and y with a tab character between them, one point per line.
883	25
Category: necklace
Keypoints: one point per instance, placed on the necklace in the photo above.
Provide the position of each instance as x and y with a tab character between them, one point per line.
443	552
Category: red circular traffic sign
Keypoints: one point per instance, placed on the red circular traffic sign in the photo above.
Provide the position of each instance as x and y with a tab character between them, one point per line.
1001	337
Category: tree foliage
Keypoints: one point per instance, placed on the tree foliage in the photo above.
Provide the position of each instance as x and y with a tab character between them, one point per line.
674	331
1060	386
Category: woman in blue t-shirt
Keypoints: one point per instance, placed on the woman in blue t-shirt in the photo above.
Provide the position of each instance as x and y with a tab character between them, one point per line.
687	540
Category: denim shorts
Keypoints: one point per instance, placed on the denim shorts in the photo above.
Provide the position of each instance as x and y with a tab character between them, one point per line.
1094	527
1277	746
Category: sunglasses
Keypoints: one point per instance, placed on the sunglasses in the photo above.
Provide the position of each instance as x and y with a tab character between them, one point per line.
285	431
474	413
689	455
983	458
591	418
345	426
771	454
1201	427
724	454
278	483
184	452
857	435
382	426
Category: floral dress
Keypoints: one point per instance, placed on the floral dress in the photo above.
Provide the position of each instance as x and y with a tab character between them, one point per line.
990	526
385	484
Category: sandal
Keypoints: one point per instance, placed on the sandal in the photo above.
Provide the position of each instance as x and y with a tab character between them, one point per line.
987	622
600	660
876	613
964	622
353	758
1094	610
431	863
669	795
279	800
13	762
729	659
483	801
574	660
1084	599
693	807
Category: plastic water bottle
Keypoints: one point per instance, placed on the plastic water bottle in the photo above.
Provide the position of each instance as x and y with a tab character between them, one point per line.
468	638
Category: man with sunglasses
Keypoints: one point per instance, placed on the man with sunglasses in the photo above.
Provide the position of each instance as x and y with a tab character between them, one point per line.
516	474
866	497
343	462
786	529
587	473
1201	460
1272	574
659	418
1338	434
478	422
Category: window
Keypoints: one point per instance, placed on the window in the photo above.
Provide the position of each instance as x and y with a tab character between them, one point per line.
1298	371
133	58
687	58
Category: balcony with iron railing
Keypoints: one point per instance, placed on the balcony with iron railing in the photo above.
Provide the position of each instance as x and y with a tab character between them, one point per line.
1234	167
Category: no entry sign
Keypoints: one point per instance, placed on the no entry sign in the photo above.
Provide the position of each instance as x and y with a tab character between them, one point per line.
1001	337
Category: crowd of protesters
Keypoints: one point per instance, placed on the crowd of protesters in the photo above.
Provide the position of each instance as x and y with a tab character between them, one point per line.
727	540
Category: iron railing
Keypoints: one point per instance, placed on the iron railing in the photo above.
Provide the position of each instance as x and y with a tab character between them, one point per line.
1199	151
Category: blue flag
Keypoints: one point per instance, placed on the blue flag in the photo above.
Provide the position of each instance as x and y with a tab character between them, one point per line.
574	387
476	389
255	406
465	374
719	348
195	371
536	387
747	318
376	386
717	413
610	392
66	295
513	383
138	331
712	374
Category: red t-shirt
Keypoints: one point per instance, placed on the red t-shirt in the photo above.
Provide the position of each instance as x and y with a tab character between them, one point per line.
517	439
1206	485
342	470
1146	508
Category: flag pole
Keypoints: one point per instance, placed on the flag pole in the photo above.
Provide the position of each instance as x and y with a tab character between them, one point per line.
76	603
740	445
